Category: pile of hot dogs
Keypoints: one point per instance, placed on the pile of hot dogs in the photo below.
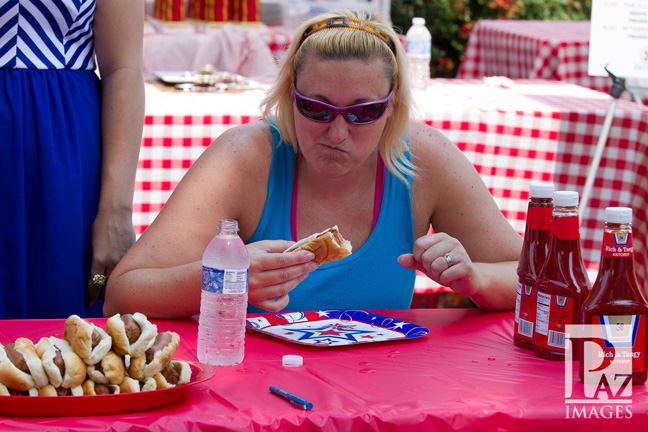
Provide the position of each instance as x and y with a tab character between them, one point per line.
128	356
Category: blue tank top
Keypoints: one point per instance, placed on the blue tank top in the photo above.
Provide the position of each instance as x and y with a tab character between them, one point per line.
371	277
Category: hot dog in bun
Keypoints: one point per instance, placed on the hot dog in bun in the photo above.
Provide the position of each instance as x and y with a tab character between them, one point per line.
131	334
91	388
63	366
328	246
50	390
21	368
133	386
176	373
110	370
89	341
156	358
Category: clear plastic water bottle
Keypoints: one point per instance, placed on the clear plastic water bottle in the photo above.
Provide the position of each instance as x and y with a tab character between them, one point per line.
419	51
223	305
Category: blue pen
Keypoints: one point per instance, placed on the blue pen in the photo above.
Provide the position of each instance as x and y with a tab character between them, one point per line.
293	399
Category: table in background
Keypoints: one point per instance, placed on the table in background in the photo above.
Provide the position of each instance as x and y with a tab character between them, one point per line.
554	50
535	131
466	374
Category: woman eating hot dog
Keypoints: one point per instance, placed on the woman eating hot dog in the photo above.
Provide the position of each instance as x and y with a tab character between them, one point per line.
336	147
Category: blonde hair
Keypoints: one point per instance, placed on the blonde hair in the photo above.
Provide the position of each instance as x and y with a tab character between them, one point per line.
342	43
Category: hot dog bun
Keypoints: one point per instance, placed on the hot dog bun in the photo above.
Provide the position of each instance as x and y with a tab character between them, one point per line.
156	358
89	341
50	390
90	388
328	246
110	370
53	350
30	374
139	329
176	373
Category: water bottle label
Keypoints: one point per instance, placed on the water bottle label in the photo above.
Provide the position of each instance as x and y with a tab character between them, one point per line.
419	47
225	281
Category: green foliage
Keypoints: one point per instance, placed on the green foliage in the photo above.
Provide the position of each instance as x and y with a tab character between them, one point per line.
450	21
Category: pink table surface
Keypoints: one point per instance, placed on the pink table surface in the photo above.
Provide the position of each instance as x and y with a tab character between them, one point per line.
537	130
556	50
465	375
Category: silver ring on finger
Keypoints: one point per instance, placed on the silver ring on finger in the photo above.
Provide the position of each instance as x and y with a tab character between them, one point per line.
448	259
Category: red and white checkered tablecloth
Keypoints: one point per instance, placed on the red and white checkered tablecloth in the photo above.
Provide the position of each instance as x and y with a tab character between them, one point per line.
536	130
278	40
555	50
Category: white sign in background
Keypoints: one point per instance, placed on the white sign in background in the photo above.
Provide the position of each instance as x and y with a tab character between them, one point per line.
619	38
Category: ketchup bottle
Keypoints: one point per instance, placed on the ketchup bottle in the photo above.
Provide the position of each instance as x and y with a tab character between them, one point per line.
616	304
534	252
563	284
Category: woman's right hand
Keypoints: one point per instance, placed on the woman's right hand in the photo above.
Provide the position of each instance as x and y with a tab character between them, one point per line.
273	274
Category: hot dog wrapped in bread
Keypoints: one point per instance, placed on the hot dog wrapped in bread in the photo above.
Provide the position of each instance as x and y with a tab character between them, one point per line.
156	358
50	390
131	334
4	391
91	388
328	246
63	366
176	373
131	385
89	341
21	368
110	370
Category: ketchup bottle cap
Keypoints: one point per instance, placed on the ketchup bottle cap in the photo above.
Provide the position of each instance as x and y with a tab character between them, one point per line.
541	190
565	199
622	215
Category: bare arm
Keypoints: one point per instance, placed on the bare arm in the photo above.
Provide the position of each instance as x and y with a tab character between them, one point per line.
161	274
483	247
118	29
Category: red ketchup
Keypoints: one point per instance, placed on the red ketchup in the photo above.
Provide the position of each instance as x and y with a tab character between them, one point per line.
616	307
563	284
532	258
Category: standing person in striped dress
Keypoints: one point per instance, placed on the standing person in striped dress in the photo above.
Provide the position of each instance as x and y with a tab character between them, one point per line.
69	143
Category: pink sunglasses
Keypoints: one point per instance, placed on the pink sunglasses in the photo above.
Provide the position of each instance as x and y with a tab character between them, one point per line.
321	112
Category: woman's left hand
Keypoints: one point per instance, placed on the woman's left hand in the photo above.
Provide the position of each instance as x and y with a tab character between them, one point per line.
444	260
112	236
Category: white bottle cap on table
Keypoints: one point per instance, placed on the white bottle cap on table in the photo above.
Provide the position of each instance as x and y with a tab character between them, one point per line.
292	361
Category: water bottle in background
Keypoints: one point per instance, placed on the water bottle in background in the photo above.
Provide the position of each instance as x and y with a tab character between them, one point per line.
223	305
419	50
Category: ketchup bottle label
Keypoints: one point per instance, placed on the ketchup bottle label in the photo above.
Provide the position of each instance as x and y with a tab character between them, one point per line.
539	218
617	245
525	316
553	313
624	342
566	228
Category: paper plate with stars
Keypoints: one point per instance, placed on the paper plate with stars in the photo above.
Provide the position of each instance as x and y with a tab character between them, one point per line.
328	328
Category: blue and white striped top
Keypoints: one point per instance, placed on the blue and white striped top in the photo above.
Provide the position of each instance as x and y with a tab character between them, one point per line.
47	34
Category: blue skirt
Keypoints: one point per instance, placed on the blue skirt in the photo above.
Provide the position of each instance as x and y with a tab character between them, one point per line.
50	173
